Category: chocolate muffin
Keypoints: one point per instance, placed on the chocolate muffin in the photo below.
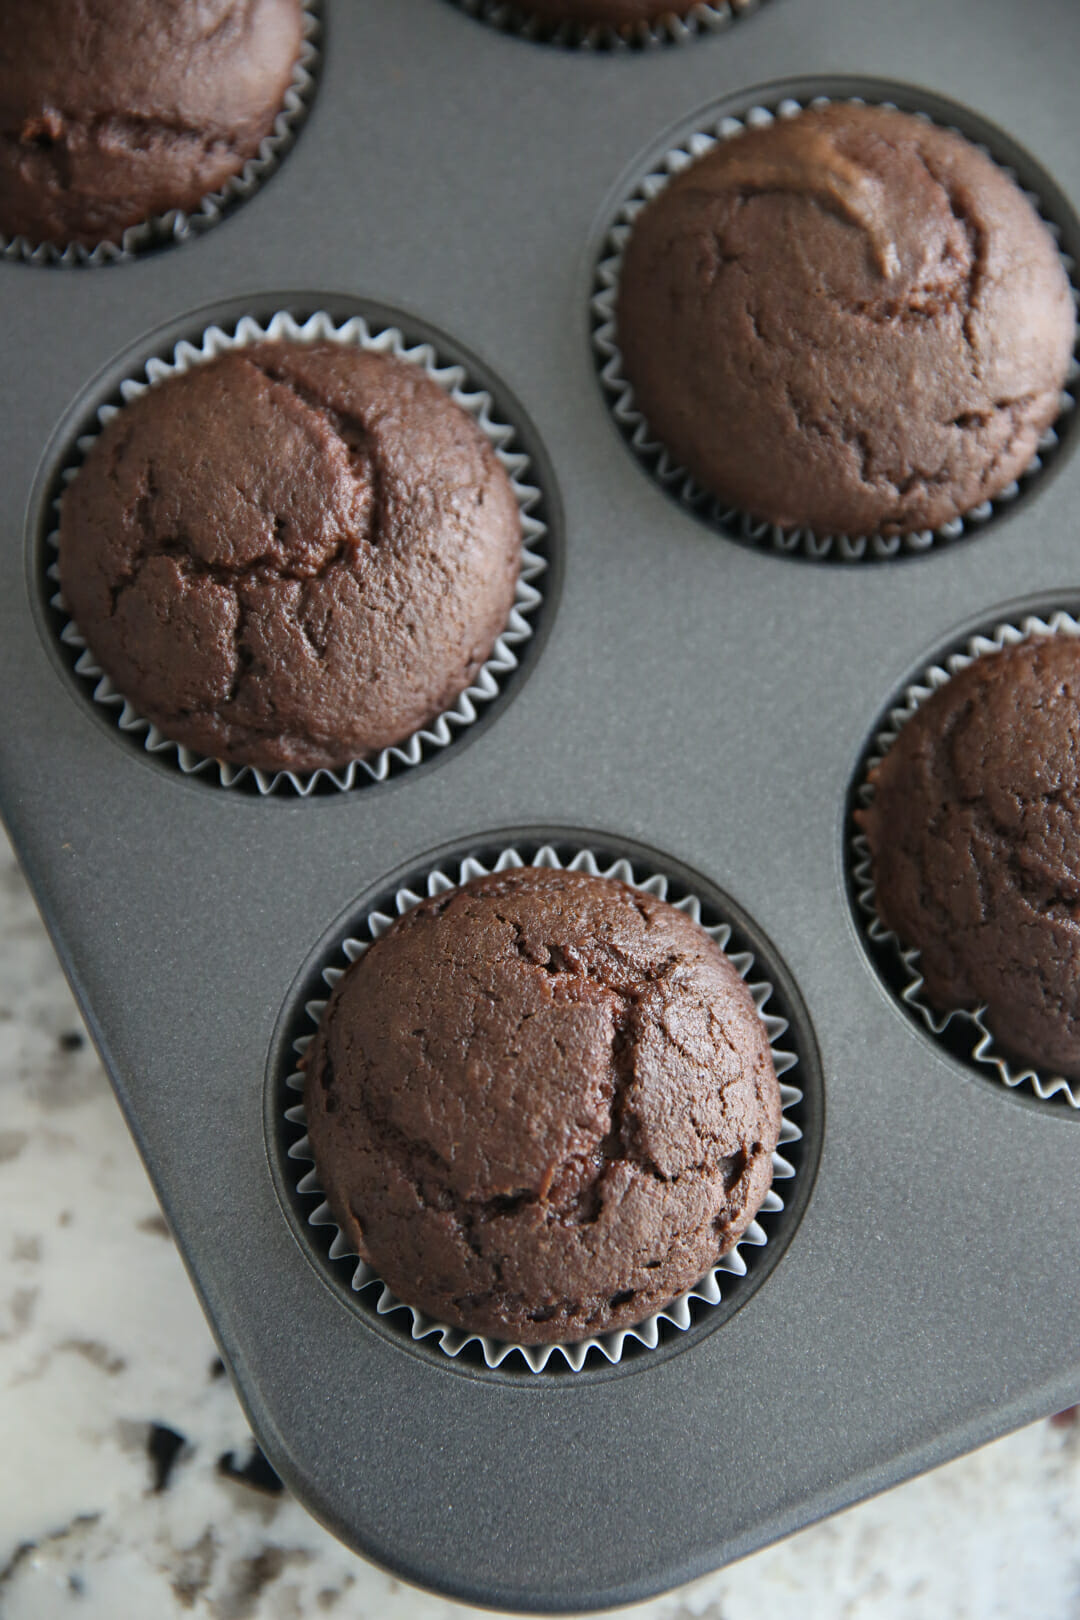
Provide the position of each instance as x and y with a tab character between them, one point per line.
542	1105
974	833
615	13
292	556
848	320
113	112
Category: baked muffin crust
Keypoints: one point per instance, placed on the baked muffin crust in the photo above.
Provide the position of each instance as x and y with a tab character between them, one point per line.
111	112
542	1105
974	833
291	556
849	320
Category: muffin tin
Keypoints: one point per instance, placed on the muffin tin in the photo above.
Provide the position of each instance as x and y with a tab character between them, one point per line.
697	706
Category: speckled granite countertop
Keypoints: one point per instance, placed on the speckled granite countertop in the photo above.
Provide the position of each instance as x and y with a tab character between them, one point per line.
130	1488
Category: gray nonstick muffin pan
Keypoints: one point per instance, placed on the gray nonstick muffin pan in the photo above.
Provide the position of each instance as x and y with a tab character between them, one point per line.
696	704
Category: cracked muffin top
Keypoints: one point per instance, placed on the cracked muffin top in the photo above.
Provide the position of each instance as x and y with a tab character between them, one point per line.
849	320
542	1105
291	556
974	833
112	112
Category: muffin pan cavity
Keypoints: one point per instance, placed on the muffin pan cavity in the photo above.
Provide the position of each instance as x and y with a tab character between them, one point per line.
381	333
736	1275
723	121
963	1034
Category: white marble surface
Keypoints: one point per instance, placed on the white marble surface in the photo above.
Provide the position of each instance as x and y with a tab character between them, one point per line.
101	1343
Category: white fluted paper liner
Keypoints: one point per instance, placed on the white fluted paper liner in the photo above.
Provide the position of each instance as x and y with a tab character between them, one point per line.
675	478
453	1340
983	1048
438	733
176	225
666	29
